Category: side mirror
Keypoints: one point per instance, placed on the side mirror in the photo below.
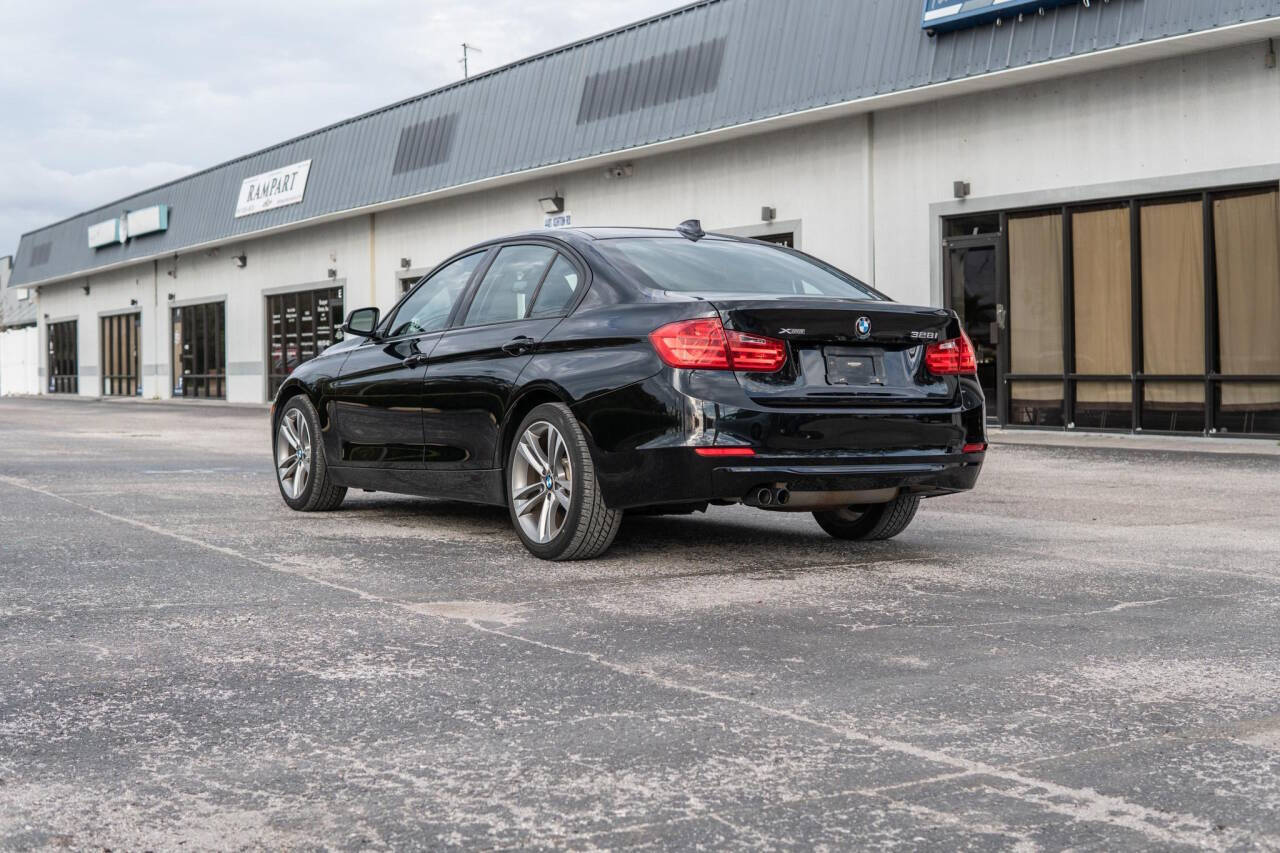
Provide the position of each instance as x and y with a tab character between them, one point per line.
362	322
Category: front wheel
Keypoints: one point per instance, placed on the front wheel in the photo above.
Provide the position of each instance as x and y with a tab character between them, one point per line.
552	493
301	469
871	522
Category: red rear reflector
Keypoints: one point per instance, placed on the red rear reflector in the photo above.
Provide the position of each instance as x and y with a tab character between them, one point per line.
975	448
724	451
704	344
952	358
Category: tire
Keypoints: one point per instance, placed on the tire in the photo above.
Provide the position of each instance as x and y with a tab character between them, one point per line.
870	523
304	458
568	520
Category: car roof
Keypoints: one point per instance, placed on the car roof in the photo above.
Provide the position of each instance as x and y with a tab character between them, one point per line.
611	233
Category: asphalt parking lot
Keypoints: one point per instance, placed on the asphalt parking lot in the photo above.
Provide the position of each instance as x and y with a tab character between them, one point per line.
1084	652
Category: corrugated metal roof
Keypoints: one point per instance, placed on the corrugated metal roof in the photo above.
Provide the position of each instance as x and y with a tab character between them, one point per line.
705	66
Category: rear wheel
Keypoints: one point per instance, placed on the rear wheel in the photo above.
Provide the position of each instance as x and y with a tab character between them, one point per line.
870	522
552	493
301	469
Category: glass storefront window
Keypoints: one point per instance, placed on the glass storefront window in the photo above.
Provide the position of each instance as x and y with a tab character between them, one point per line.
1173	406
1100	255
1248	408
1104	405
1035	403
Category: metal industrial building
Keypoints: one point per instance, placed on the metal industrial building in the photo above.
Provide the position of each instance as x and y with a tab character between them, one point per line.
1092	185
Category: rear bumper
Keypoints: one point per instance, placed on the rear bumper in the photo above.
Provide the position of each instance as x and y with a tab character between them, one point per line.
646	459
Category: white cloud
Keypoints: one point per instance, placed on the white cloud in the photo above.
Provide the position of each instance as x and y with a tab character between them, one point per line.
102	100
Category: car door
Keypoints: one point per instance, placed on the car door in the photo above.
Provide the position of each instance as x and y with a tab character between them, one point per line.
377	395
472	374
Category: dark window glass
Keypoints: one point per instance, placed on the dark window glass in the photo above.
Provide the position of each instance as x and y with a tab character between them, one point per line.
199	350
300	326
428	308
509	284
63	358
723	266
558	289
1035	403
1248	408
121	355
1173	406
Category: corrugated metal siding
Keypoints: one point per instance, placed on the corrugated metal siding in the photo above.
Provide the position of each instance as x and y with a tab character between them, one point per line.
774	56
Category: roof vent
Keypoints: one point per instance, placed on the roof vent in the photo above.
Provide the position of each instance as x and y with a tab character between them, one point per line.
424	144
661	79
691	229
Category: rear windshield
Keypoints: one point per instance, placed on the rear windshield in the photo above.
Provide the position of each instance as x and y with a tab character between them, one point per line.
723	266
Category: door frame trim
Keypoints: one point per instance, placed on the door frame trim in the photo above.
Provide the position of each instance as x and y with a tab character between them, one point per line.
999	242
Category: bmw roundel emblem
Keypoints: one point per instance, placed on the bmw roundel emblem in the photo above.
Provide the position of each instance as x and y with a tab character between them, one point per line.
863	327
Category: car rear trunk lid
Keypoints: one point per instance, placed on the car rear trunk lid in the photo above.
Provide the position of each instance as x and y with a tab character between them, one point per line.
844	352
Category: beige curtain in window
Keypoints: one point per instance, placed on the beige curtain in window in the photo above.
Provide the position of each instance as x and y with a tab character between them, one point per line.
1247	235
1173	298
1035	303
1101	256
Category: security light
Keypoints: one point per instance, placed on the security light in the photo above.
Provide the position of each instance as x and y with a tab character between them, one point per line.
768	214
333	273
241	261
405	263
553	204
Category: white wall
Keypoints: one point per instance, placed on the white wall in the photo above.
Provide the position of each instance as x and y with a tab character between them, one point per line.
814	174
19	361
1199	113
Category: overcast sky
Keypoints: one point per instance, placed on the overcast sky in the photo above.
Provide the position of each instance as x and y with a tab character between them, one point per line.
100	100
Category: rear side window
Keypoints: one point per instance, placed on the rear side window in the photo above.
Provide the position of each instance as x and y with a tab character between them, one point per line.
509	285
557	291
724	266
428	308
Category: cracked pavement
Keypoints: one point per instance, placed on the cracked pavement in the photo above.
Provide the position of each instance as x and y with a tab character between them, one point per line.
1082	653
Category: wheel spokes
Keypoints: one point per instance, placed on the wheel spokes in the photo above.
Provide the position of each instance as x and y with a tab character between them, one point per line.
532	453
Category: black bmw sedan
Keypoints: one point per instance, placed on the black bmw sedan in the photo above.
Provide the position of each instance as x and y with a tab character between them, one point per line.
579	374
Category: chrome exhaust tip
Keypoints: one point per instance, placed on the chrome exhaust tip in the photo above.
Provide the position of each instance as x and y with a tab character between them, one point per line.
763	496
782	497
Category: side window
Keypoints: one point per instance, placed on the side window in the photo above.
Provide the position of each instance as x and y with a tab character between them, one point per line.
508	285
558	289
428	309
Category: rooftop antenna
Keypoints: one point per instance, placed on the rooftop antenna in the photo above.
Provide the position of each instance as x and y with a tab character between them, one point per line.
467	49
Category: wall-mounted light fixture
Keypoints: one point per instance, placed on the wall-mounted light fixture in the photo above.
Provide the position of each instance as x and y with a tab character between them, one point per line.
405	263
768	214
333	273
961	189
552	204
241	260
133	303
170	297
86	288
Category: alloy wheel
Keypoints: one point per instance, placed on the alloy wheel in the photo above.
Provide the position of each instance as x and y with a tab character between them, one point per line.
541	482
293	453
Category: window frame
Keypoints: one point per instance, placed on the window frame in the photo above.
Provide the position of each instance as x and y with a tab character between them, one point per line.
461	319
486	252
584	273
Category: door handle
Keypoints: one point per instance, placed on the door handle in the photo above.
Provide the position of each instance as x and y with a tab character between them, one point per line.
519	346
416	360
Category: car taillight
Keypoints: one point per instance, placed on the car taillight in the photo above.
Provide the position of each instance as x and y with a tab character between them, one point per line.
952	358
705	344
